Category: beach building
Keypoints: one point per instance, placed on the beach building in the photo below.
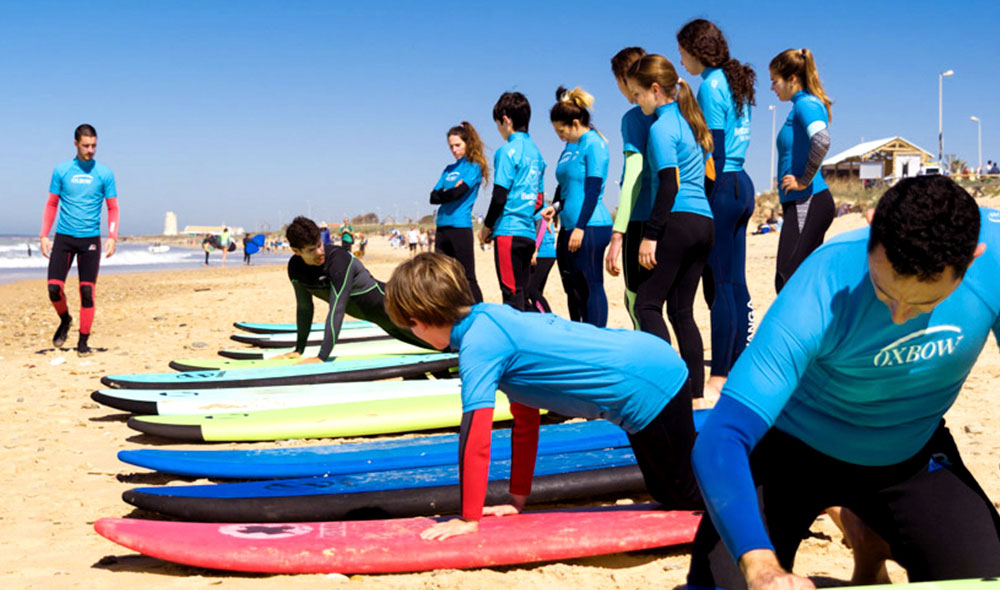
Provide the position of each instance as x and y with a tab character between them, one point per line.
879	160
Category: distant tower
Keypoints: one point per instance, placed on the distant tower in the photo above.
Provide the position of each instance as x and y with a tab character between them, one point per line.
170	224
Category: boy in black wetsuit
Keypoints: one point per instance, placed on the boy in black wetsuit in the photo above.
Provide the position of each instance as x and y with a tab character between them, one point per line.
334	275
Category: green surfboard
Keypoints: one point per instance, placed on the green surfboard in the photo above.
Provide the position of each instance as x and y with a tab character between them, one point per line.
326	421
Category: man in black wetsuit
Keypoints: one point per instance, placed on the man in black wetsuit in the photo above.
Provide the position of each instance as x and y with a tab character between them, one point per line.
334	275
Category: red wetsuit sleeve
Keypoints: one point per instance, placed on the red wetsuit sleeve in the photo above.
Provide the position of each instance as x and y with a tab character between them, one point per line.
113	218
474	461
49	214
523	447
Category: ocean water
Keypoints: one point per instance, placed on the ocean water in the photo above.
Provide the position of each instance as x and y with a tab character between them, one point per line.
16	264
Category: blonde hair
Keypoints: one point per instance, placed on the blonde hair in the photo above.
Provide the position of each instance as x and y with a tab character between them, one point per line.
431	288
800	63
650	69
573	105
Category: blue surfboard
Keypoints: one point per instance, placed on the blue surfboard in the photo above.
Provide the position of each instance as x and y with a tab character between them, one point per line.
559	477
380	455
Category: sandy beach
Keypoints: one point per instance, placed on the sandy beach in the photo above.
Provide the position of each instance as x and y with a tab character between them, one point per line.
59	470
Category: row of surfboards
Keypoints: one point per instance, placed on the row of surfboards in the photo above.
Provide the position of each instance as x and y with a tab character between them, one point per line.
300	509
304	502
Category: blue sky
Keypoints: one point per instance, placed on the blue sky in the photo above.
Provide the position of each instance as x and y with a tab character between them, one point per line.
250	112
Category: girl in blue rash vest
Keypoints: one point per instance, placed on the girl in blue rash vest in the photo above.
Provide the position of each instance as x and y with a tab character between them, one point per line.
802	144
586	223
725	97
634	203
541	264
840	399
544	361
518	183
456	193
678	236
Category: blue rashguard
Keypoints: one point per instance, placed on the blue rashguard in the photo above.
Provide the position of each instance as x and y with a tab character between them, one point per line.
829	367
575	369
582	173
635	136
82	188
518	167
672	145
458	213
808	117
716	102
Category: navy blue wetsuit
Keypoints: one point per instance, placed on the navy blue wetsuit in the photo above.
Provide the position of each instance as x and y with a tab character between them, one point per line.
732	202
582	173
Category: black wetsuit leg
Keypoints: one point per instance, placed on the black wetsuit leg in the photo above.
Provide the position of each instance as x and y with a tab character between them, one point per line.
512	255
458	242
937	520
799	237
732	207
537	277
663	451
681	253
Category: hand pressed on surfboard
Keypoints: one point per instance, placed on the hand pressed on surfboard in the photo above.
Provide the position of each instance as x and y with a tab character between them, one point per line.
458	526
762	571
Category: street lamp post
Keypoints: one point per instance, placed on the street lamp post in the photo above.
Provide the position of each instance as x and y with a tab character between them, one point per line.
979	124
773	174
941	77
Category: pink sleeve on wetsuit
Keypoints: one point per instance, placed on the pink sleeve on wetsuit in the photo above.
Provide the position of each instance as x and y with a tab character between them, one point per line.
113	218
49	214
523	447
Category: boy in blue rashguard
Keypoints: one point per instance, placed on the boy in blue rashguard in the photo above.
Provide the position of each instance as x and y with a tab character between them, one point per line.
518	185
544	361
839	400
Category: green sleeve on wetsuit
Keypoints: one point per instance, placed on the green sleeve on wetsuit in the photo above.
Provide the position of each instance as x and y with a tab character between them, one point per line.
303	316
338	306
631	184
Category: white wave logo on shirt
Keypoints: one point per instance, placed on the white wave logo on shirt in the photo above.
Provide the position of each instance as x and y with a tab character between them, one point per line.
452	176
567	156
532	180
994	216
904	351
82	179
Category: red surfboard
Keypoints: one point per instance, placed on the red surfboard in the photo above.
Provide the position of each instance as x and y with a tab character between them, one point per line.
383	546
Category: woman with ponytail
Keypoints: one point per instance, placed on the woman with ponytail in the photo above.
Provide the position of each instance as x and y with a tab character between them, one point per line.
634	204
802	144
679	234
456	193
725	96
586	223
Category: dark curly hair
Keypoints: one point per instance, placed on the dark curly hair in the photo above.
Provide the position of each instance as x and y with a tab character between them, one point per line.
302	232
703	40
925	224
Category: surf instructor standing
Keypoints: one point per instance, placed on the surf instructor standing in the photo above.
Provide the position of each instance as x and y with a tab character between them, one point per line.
78	189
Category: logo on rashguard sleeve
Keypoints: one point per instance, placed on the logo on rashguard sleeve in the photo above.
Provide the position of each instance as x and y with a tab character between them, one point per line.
904	351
